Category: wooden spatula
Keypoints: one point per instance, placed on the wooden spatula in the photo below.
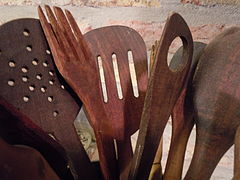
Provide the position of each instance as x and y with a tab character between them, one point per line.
163	91
109	116
216	101
29	81
182	116
127	48
23	163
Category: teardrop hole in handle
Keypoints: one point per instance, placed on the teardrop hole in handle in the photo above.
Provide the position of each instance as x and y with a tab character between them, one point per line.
178	54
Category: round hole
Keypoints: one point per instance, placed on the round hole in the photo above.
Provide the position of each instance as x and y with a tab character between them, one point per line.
43	89
26	32
25	79
48	51
55	113
51	72
45	64
32	88
12	64
26	98
35	62
11	82
51	82
24	69
39	76
62	86
50	99
29	48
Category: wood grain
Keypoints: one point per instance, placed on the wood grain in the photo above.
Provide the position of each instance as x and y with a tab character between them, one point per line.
25	61
216	103
164	88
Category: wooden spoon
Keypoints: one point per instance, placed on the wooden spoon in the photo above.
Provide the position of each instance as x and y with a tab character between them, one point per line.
163	91
237	155
182	116
31	84
76	57
216	102
23	163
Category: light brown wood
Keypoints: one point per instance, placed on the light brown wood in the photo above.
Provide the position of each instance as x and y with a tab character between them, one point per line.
237	155
182	117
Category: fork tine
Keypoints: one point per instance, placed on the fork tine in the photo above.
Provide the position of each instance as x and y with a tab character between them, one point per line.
63	22
66	48
53	43
78	34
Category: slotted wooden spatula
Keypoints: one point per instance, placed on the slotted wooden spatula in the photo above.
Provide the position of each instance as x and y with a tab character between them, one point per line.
78	62
163	91
29	81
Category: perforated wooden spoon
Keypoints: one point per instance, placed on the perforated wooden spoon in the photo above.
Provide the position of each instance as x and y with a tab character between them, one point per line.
78	58
29	81
216	101
163	91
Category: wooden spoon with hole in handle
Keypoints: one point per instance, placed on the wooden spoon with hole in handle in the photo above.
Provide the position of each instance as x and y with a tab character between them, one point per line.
182	116
216	101
31	83
164	88
23	163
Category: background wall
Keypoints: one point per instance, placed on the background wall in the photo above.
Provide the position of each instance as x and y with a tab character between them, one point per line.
206	19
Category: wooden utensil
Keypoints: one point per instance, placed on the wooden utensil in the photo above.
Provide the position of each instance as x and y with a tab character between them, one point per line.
163	91
124	43
182	116
216	102
102	44
30	82
237	155
23	163
15	128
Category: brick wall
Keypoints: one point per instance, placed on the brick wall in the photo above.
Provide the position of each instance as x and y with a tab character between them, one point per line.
137	3
212	2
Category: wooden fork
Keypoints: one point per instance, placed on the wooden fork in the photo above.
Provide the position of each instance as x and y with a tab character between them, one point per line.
74	62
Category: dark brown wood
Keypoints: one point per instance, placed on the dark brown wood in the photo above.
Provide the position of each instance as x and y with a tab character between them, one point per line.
30	82
216	102
77	62
164	88
123	114
23	163
182	117
16	128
